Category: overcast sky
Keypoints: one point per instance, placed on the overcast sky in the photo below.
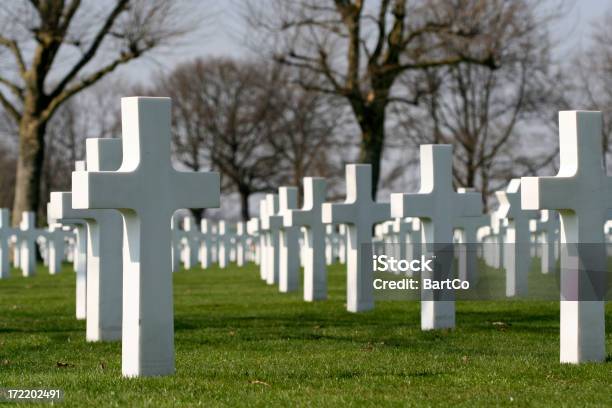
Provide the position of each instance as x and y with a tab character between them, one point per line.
221	33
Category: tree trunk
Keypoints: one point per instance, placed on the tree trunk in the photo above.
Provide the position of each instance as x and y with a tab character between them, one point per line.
244	204
198	214
372	142
29	166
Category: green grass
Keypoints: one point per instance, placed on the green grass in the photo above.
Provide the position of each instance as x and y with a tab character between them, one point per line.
241	343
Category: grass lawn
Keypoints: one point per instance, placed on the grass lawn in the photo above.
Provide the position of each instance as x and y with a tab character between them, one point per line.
241	343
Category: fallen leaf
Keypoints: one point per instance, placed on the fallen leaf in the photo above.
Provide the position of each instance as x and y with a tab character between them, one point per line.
232	333
464	359
259	382
6	362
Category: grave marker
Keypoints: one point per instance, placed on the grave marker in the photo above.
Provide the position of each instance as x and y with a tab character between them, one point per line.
315	273
6	233
439	208
517	241
288	241
582	193
360	213
147	190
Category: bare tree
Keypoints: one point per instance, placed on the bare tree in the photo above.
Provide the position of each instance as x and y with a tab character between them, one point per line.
57	48
499	120
225	113
360	49
91	114
310	138
595	83
248	121
8	160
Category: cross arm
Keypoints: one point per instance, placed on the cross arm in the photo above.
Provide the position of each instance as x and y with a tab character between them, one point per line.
338	213
410	205
60	207
470	204
295	218
102	190
546	193
195	189
381	212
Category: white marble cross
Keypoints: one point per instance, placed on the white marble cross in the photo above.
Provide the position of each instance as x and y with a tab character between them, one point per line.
517	241
205	243
288	241
191	237
6	233
342	243
241	242
271	223
104	233
439	208
360	213
27	235
256	241
263	239
55	238
226	236
582	193
468	231
331	244
546	230
315	273
79	259
176	245
147	190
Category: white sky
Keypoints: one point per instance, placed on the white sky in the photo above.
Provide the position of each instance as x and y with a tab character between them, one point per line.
221	33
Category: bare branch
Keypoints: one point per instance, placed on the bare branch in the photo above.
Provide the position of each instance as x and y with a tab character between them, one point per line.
8	106
93	47
85	82
14	48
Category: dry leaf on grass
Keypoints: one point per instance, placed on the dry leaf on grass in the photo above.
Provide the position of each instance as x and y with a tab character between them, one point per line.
259	382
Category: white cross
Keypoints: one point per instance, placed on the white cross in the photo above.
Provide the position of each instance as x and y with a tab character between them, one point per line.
6	233
331	244
288	241
263	240
226	236
55	237
468	231
253	231
315	273
546	228
271	225
192	237
517	241
177	236
439	208
147	190
103	234
582	193
27	235
205	243
241	241
79	260
360	213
